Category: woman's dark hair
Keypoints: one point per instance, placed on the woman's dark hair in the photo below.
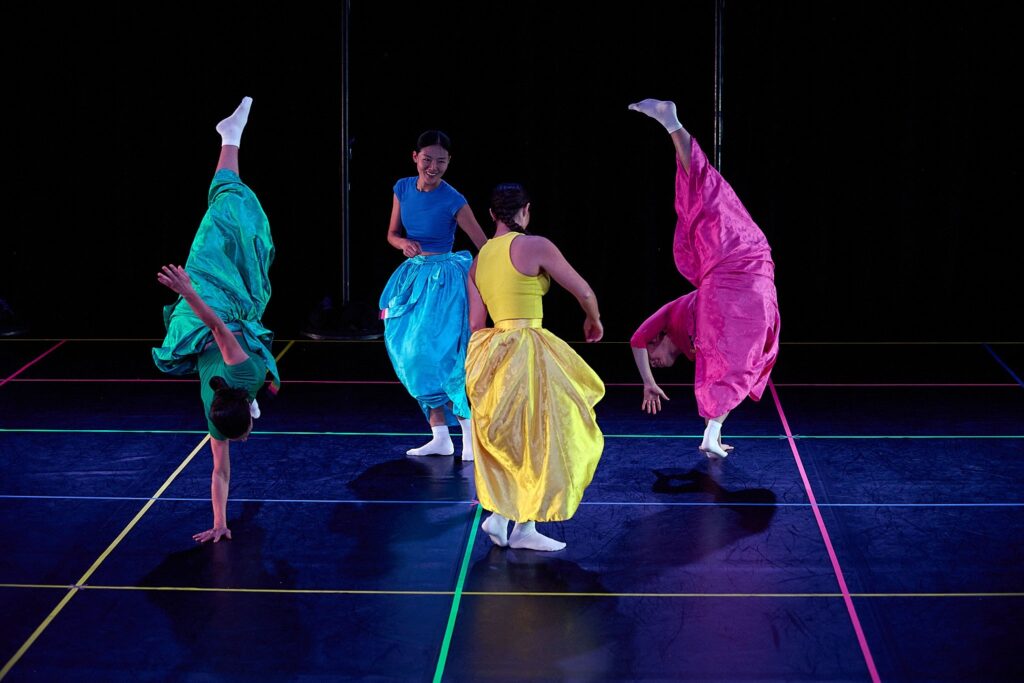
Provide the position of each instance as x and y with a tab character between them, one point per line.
229	410
506	200
433	137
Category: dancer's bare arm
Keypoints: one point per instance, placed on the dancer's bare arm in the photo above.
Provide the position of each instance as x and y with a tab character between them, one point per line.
177	280
395	237
220	481
467	221
477	308
544	255
652	392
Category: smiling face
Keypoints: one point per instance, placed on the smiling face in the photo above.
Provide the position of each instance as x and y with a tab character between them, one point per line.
431	163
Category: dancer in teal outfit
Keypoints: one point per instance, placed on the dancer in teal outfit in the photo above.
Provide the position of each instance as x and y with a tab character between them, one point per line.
214	327
424	304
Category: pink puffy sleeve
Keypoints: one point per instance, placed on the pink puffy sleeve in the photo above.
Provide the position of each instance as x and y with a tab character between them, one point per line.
675	319
651	328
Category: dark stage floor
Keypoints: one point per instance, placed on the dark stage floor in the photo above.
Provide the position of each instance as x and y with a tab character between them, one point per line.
870	524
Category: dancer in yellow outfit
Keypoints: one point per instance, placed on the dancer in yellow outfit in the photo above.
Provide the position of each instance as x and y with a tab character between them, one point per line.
535	434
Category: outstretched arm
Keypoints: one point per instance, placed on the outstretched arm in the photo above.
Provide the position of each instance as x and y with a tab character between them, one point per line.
550	259
395	237
477	308
219	484
652	392
467	221
651	330
176	279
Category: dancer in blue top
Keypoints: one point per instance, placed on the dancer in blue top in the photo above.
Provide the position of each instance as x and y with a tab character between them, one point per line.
424	304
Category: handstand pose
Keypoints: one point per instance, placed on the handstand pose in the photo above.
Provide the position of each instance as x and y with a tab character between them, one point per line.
730	325
214	327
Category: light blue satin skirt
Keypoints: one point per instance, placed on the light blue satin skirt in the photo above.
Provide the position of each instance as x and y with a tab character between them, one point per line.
426	329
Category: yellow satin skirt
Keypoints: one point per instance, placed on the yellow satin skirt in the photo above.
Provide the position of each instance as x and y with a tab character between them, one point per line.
535	435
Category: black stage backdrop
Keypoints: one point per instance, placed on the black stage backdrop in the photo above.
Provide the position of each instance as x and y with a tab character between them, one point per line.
876	144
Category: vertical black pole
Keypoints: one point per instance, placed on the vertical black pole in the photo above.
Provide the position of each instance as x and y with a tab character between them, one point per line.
719	20
351	319
346	276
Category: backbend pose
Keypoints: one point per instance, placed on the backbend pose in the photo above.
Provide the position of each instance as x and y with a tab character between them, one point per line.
730	325
214	327
534	429
424	303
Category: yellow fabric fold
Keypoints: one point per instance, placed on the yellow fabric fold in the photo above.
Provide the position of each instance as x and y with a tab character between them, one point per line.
535	433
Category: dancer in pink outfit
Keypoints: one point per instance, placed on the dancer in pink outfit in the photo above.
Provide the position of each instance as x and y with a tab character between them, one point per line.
729	326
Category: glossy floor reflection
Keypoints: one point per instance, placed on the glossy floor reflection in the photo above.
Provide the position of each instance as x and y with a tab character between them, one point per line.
353	561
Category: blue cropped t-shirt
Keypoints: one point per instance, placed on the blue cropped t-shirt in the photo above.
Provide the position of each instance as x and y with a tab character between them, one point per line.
429	217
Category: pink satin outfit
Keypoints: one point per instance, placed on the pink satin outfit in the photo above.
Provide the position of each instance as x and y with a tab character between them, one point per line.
733	317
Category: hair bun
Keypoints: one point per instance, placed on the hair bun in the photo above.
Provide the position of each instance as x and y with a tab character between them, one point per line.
217	383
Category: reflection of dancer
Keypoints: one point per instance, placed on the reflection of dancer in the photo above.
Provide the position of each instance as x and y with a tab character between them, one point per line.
730	325
533	397
424	302
596	652
214	327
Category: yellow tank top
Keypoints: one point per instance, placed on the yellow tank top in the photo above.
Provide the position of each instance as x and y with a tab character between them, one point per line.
507	293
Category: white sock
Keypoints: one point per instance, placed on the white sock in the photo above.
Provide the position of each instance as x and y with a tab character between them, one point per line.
711	445
662	111
467	437
441	444
525	535
230	129
496	528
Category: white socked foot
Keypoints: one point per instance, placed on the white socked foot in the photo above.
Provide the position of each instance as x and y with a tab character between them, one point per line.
496	528
467	437
712	443
440	444
662	111
230	129
525	536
